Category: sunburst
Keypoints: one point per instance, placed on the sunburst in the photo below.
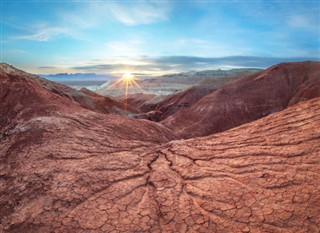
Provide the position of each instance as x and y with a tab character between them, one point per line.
126	81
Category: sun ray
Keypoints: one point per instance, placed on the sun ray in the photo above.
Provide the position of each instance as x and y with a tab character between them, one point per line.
126	82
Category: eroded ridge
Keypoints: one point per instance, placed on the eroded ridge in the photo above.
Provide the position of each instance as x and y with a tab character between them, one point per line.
76	177
248	99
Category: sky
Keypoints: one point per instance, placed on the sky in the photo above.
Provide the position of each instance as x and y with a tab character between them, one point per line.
156	37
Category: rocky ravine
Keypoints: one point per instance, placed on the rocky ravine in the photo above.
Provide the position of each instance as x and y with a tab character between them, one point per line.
160	107
68	169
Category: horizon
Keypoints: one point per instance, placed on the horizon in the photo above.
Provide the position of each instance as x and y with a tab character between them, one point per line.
116	75
156	37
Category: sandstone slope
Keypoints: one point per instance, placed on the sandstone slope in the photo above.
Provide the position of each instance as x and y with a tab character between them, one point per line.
248	99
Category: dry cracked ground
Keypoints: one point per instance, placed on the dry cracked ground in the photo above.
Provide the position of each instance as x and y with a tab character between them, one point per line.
74	170
255	178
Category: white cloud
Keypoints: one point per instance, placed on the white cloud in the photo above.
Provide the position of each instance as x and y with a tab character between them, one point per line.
142	12
44	34
92	14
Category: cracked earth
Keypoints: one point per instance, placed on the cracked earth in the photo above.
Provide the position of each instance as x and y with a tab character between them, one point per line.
77	176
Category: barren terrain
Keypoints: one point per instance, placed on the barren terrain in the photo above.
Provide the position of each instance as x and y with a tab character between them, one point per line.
68	168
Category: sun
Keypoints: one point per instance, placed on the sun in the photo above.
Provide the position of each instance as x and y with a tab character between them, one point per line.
128	77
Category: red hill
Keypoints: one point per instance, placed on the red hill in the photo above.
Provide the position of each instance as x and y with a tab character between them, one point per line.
248	99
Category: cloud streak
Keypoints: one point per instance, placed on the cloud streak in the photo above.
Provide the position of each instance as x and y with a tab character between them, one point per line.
169	64
44	34
47	67
94	14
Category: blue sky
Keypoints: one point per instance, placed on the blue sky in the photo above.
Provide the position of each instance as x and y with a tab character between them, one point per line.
156	37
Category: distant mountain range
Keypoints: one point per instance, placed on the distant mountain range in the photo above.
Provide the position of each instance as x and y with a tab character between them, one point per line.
98	82
78	77
105	77
210	73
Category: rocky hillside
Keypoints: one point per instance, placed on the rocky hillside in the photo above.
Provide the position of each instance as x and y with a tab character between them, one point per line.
186	98
160	107
77	172
64	168
85	98
248	99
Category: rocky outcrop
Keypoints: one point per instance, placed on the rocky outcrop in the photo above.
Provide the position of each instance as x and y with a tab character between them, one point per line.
64	168
248	99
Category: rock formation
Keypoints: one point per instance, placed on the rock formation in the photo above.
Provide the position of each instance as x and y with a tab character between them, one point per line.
248	99
64	168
